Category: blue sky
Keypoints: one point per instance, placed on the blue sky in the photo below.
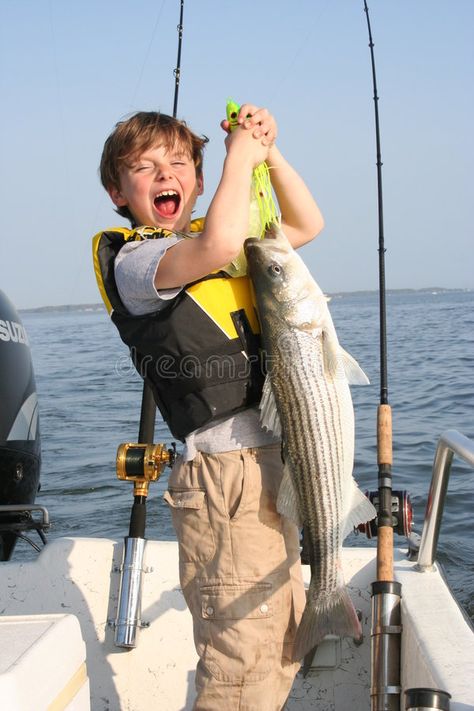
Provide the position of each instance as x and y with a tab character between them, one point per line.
69	71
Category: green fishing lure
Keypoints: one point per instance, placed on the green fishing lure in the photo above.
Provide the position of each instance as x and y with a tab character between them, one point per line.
263	212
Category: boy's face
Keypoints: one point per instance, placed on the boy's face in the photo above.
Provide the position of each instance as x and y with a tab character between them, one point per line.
160	188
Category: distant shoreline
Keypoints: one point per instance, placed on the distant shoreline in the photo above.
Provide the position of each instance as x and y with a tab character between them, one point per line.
100	307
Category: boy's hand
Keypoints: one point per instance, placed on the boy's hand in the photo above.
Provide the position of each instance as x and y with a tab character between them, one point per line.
259	121
247	149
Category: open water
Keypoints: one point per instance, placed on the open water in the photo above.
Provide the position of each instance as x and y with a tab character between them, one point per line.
90	401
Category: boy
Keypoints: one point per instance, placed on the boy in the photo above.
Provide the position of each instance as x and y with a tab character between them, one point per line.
194	338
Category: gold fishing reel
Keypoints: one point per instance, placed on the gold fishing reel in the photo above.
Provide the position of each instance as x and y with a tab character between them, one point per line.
143	463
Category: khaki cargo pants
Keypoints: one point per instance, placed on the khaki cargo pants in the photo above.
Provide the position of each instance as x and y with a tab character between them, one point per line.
241	577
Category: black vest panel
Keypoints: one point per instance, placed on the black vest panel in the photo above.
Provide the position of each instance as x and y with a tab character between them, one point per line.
195	371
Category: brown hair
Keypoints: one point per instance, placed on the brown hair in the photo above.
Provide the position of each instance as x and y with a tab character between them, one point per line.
133	136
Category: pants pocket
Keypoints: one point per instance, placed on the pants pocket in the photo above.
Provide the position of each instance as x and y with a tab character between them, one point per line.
236	641
190	514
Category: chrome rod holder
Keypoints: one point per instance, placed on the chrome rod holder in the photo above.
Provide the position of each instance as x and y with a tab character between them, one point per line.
128	619
450	443
385	648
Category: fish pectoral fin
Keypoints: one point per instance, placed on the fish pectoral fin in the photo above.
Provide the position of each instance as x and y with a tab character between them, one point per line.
330	349
334	356
354	373
360	510
269	418
287	501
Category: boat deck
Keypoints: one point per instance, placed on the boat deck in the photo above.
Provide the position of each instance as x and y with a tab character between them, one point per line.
79	576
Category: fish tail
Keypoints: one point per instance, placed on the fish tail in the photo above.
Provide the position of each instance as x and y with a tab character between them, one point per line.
333	615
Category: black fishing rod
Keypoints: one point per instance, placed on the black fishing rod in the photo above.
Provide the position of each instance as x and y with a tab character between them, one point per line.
146	430
177	71
141	464
381	248
148	409
386	593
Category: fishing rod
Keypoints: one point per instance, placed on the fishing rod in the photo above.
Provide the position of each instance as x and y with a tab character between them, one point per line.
146	430
386	593
141	464
148	409
177	71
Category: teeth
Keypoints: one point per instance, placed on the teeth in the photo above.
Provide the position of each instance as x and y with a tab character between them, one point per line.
166	193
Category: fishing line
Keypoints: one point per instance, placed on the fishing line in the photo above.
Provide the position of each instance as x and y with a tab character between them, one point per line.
303	45
147	54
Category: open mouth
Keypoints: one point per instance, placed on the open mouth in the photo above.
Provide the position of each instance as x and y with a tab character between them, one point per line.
167	203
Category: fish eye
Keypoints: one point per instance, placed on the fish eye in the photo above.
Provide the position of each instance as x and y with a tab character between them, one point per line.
274	269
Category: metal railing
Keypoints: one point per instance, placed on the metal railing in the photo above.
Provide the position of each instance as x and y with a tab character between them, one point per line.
25	509
450	443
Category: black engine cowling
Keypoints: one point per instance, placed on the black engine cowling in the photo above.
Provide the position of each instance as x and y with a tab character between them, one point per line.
20	444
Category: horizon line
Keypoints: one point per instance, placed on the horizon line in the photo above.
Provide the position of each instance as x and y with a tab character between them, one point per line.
96	305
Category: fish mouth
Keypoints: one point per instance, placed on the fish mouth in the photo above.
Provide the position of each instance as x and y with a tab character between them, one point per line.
258	240
250	243
167	203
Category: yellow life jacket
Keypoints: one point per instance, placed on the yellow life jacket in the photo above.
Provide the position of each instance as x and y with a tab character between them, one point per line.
200	354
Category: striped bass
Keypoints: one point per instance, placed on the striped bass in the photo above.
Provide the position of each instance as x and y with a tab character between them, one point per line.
306	399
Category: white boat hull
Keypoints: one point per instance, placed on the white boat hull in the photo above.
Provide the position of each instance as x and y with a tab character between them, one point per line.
79	576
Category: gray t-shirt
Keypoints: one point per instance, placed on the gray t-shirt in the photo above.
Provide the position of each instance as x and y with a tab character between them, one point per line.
135	269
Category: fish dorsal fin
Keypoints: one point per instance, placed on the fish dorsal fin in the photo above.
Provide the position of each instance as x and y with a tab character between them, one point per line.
287	501
354	373
359	509
269	418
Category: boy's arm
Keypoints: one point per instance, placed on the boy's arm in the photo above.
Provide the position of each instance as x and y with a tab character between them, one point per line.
228	215
226	220
300	215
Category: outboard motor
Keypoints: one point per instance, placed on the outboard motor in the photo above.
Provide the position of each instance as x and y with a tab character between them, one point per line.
20	446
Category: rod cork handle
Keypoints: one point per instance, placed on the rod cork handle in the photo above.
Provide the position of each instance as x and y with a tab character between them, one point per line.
384	434
385	553
384	459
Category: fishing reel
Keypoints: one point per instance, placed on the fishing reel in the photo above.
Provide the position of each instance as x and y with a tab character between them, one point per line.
143	463
402	514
